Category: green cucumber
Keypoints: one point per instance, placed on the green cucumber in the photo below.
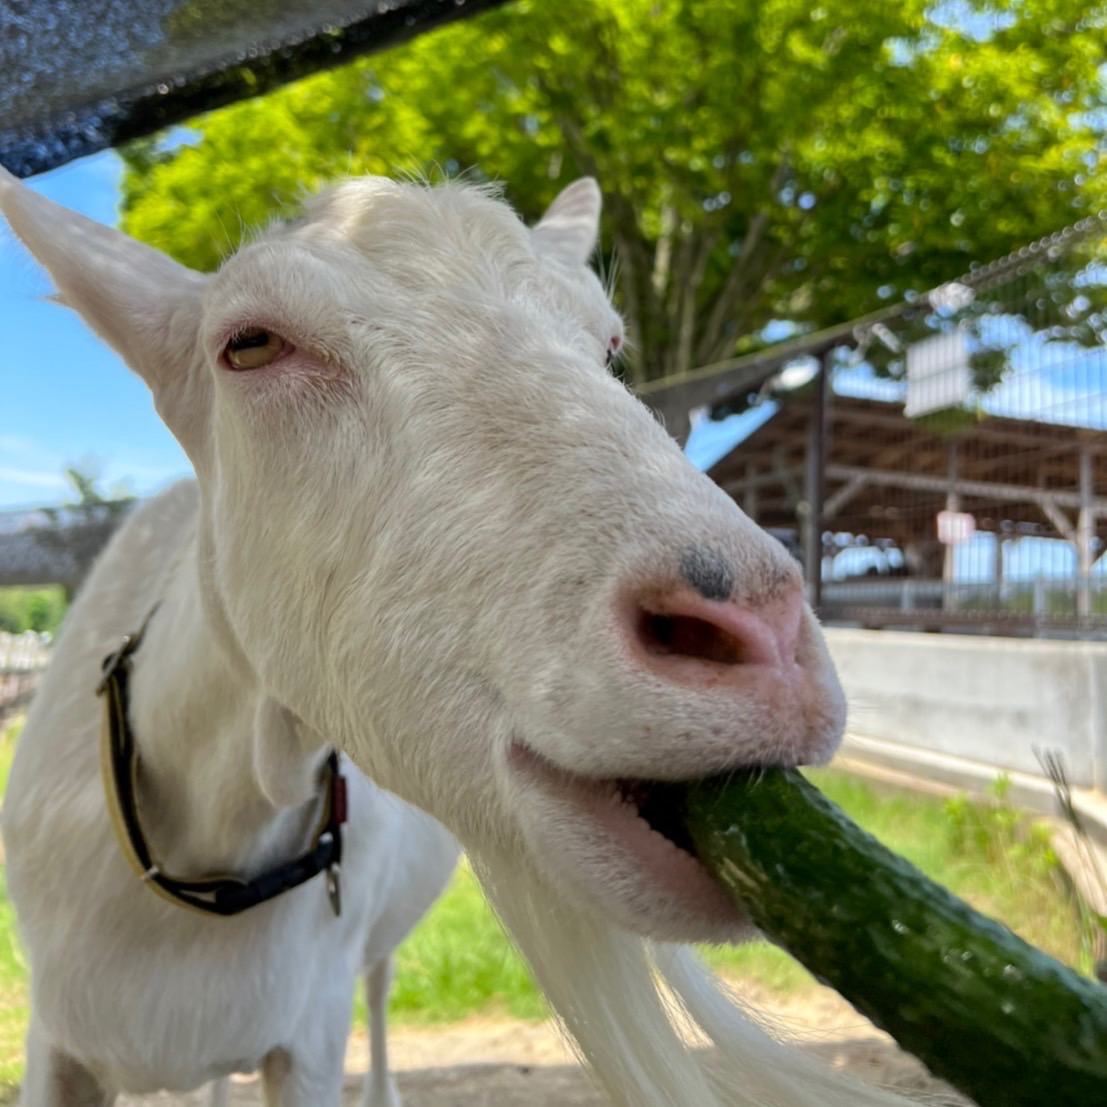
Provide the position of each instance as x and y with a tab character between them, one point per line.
982	1009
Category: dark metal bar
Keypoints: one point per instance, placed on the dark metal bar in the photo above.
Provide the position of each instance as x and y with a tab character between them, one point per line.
1085	534
724	383
171	98
953	505
815	485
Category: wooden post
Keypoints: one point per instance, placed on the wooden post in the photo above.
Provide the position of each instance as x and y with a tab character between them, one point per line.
1039	604
815	486
749	497
1085	534
953	503
997	567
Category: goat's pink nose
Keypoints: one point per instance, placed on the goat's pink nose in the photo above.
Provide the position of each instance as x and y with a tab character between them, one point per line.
685	637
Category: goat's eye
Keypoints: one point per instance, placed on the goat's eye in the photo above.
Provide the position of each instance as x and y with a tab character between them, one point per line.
614	347
254	348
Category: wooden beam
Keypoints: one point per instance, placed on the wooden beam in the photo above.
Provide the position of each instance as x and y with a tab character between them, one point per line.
890	455
835	503
987	490
1052	435
1059	519
1034	460
762	478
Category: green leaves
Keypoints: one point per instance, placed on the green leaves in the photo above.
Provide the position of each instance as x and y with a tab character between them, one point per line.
759	160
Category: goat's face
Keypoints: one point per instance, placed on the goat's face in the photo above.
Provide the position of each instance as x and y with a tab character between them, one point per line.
448	540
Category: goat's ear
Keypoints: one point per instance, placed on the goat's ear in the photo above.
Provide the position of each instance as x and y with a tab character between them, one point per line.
571	226
139	301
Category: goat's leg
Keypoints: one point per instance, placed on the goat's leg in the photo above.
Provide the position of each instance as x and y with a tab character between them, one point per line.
54	1079
307	1078
220	1093
380	1089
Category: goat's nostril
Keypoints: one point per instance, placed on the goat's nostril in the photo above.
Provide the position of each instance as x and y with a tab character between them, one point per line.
677	634
687	636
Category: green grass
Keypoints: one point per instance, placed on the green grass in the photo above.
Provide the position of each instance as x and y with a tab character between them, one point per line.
8	736
457	962
37	609
14	1009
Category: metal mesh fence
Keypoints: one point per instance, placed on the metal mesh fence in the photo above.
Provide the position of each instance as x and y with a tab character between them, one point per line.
966	478
960	478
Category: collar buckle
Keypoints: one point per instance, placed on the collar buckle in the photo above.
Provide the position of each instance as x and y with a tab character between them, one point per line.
334	888
114	661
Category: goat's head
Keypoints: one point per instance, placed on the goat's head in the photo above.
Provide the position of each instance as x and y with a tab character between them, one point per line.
442	534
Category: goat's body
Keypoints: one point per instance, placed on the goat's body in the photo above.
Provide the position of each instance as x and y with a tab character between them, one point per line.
143	993
435	532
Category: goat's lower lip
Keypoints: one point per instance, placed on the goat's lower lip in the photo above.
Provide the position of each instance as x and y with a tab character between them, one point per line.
626	823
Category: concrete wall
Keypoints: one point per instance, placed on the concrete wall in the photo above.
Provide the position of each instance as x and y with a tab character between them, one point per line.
987	700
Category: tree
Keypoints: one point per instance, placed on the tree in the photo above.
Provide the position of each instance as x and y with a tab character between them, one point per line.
37	609
761	159
91	505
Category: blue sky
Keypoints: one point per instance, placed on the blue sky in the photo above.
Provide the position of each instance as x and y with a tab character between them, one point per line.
65	398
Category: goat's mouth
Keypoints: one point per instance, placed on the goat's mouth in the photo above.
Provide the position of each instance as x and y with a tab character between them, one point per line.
622	844
658	805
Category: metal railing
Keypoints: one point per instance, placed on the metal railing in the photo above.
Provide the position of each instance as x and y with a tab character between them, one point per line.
946	467
23	658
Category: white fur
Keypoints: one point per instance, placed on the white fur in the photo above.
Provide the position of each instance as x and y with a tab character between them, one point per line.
131	993
424	535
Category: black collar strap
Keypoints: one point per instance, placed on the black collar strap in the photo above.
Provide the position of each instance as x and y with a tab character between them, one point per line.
223	895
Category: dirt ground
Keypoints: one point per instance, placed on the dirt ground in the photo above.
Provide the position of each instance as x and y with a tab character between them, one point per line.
488	1063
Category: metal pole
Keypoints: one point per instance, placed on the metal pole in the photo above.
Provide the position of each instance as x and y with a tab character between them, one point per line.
997	567
953	504
1085	533
815	486
750	505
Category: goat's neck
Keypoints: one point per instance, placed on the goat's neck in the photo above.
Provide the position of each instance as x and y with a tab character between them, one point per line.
194	707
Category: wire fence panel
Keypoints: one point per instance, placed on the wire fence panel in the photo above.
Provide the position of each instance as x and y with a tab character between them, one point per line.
981	495
23	657
961	483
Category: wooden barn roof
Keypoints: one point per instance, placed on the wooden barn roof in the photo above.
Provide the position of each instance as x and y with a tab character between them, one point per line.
887	476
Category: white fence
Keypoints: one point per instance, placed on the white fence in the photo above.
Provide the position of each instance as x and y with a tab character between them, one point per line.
22	659
960	710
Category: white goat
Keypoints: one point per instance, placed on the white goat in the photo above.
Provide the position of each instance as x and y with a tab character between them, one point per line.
431	529
131	993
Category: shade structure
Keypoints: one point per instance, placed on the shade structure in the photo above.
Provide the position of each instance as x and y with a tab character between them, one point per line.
77	76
